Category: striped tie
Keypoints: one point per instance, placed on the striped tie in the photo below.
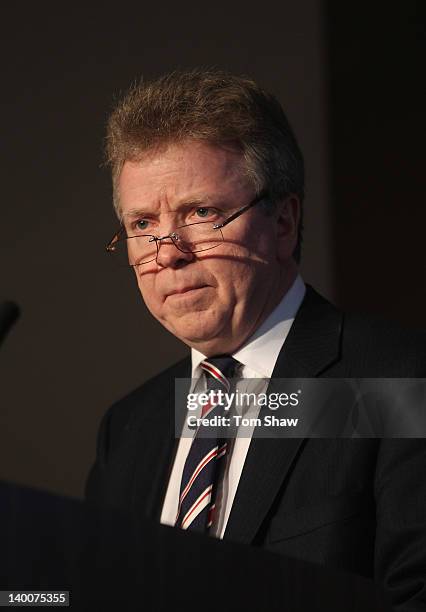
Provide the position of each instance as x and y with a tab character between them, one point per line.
202	467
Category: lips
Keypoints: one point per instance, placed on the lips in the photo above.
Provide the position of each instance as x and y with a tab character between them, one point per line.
183	290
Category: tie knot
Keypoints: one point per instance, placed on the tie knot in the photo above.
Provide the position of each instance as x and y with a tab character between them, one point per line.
220	369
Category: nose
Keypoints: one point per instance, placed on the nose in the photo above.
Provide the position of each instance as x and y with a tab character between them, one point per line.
169	256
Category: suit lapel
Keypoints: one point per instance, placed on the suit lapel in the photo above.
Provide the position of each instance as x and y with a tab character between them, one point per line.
310	348
156	444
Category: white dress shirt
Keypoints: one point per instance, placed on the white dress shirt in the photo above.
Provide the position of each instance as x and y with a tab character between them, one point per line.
257	357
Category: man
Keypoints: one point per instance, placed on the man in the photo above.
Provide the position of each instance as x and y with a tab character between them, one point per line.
208	186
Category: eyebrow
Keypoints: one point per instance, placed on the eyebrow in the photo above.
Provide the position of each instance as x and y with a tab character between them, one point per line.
133	213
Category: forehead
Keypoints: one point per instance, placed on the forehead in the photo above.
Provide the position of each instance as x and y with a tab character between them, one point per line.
190	170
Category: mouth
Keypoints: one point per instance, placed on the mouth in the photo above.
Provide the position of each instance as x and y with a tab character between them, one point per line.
185	291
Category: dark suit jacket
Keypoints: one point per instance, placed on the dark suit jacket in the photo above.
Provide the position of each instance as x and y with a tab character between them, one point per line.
352	504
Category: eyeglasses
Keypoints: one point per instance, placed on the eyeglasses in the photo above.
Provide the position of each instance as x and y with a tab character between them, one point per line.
191	238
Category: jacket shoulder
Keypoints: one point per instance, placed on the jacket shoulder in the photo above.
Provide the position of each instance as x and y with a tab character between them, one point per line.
398	351
366	345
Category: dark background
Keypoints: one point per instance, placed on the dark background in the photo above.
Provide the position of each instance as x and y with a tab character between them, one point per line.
350	77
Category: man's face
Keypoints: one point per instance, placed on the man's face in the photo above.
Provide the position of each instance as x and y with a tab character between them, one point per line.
211	300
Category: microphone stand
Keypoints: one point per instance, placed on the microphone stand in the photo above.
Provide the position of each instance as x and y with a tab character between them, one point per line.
9	313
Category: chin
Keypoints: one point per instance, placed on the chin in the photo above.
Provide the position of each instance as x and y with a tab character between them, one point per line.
196	332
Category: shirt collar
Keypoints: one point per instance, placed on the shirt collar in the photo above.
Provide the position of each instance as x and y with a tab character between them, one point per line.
260	352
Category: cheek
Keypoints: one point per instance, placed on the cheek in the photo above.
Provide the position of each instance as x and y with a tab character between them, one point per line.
233	275
261	247
250	270
147	289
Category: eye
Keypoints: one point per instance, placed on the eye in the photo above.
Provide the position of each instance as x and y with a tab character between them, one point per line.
204	212
141	224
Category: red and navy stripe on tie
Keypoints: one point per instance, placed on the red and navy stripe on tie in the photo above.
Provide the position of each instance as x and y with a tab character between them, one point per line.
203	467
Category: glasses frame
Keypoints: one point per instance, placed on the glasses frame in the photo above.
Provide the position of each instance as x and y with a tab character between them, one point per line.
118	236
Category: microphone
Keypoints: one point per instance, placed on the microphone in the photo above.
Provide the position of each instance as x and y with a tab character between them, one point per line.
9	313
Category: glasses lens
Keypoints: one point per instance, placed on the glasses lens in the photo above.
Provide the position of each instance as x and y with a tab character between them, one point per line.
197	237
134	250
193	238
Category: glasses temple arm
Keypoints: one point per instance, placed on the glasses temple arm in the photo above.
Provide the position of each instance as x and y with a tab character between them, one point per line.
114	239
257	199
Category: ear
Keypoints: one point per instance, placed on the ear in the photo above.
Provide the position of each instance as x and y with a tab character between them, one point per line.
288	218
